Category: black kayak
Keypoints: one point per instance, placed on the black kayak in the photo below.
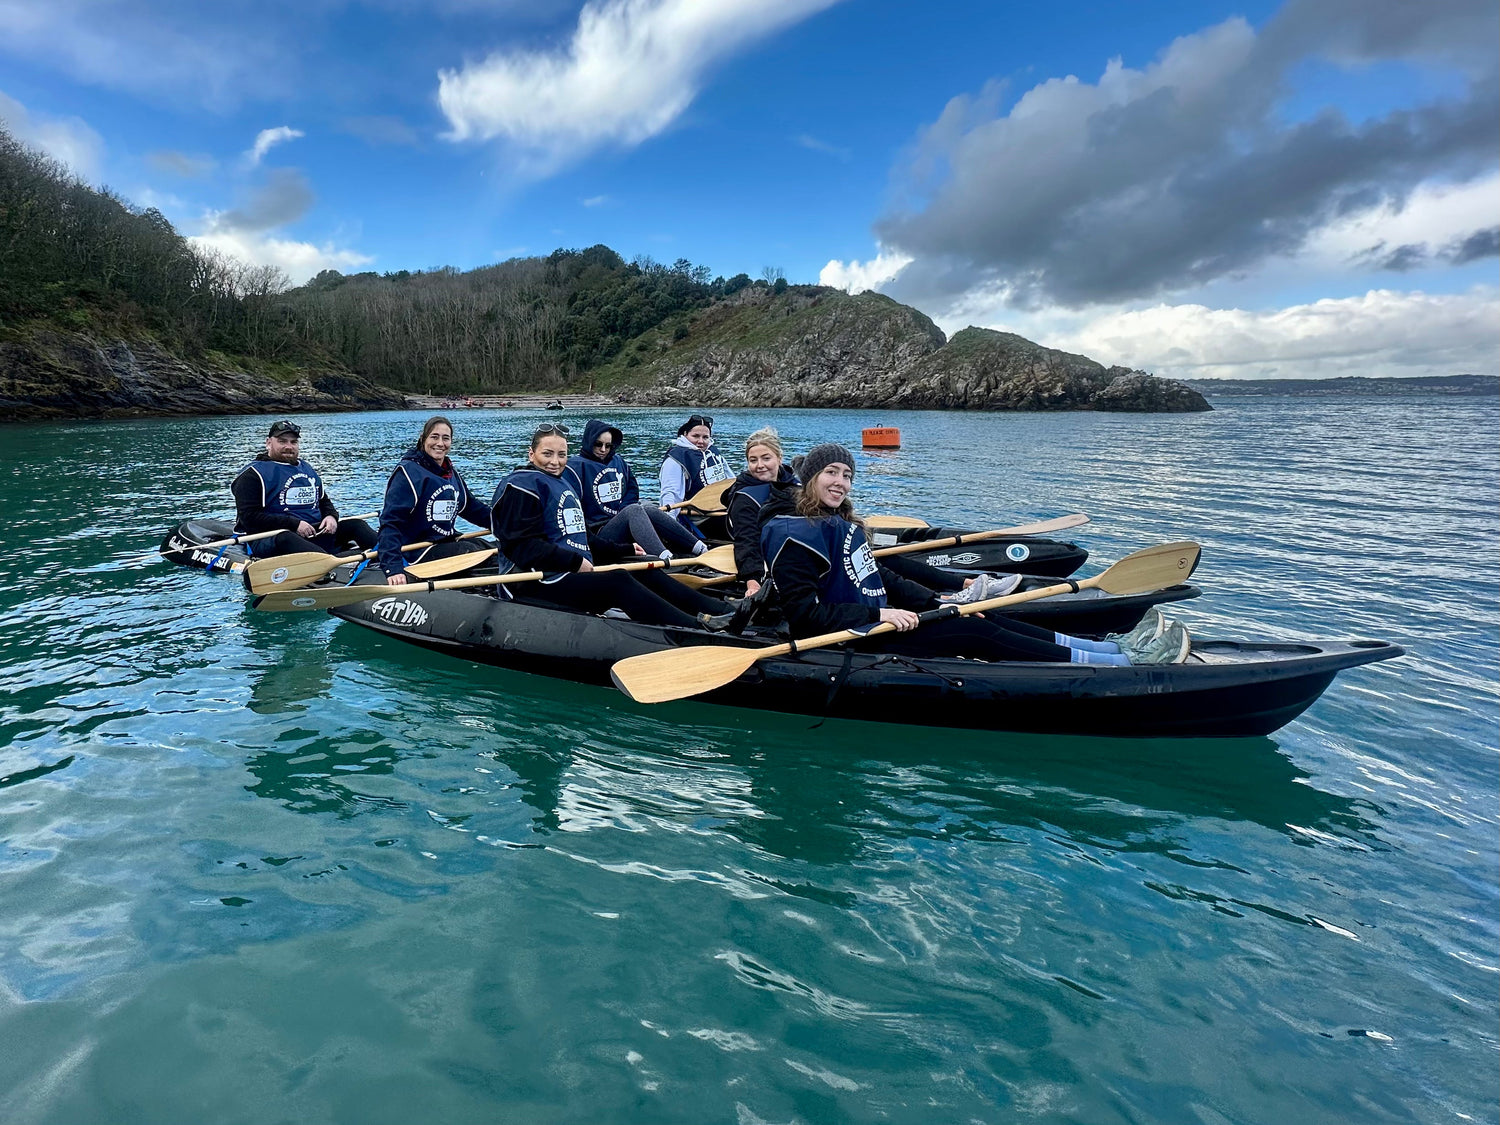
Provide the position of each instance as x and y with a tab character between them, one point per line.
1022	554
1228	689
183	545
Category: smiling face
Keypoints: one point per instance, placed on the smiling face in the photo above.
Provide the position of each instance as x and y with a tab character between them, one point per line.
437	442
832	484
284	448
550	454
700	436
763	462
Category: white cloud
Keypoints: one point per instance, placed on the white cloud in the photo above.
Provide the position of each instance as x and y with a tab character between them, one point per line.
631	68
300	260
1382	333
856	277
808	141
1436	215
266	139
596	201
68	140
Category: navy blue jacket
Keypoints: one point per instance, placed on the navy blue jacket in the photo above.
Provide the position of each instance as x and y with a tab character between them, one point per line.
422	501
605	487
744	502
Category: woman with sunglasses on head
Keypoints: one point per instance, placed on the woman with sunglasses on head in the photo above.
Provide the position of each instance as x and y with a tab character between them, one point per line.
691	464
616	518
538	521
824	578
423	499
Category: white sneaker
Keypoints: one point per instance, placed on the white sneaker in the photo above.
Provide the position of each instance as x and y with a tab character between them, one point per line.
985	587
1172	647
1151	626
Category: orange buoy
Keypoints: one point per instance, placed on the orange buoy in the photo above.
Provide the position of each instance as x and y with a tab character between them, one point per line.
881	437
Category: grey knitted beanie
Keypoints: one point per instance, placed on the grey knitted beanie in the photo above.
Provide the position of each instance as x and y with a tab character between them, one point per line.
819	457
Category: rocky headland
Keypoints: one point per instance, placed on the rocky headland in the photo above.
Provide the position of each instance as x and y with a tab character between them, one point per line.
54	373
813	346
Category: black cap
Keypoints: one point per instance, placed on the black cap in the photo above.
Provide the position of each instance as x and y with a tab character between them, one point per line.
282	428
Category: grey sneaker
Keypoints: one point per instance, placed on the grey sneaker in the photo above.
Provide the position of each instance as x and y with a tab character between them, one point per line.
985	587
1172	647
1151	626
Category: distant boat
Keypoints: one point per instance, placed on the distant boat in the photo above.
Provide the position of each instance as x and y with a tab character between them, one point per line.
555	404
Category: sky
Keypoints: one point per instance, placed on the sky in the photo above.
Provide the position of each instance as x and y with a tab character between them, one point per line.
1256	190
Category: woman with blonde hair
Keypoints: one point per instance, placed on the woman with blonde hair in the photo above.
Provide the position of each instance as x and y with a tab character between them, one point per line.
765	481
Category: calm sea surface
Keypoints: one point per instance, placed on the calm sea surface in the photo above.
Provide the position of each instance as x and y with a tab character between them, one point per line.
273	868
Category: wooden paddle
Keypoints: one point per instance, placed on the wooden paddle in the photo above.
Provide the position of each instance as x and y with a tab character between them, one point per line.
287	572
233	539
676	673
894	523
722	558
453	564
709	499
331	597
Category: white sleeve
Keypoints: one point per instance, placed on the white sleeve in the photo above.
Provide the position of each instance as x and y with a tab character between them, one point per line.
673	482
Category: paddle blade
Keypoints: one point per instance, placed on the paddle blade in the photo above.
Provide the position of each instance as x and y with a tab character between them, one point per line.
893	523
287	572
326	597
720	559
697	582
676	673
1154	568
453	564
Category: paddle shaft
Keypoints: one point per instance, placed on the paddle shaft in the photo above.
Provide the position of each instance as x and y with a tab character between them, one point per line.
335	596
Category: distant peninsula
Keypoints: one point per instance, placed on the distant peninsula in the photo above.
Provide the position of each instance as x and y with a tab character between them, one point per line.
1445	385
107	311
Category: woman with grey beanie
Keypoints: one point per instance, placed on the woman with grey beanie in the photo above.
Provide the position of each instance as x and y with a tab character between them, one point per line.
824	578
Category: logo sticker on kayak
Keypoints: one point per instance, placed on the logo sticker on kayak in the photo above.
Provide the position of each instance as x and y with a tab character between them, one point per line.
399	611
968	558
278	576
1018	552
304	603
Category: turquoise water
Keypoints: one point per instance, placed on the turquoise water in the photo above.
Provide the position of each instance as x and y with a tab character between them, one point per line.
261	868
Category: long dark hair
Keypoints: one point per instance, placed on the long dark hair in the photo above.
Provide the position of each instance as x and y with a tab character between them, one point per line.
806	504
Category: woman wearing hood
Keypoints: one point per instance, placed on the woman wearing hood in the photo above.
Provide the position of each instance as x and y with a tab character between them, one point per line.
611	500
824	578
691	464
423	499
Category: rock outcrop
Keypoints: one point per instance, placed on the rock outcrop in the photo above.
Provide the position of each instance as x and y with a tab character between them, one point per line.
822	347
49	373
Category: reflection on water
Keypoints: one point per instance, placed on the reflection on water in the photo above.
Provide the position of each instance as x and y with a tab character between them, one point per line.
273	867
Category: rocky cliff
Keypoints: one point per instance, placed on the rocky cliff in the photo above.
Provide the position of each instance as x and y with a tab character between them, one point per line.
821	347
50	373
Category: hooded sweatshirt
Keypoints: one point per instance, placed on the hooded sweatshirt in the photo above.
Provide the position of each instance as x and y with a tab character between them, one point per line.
606	486
744	502
422	500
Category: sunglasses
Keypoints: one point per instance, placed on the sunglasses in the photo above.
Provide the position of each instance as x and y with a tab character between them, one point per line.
701	420
604	443
551	428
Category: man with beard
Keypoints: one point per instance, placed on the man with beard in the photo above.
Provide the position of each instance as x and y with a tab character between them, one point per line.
279	491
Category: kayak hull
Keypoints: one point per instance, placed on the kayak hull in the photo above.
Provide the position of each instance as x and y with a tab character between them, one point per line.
1017	555
1229	689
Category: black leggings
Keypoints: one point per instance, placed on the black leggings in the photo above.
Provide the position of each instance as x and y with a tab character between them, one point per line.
648	596
350	533
943	581
976	637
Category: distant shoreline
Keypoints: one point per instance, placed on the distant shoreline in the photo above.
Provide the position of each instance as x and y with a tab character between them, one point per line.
1446	385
